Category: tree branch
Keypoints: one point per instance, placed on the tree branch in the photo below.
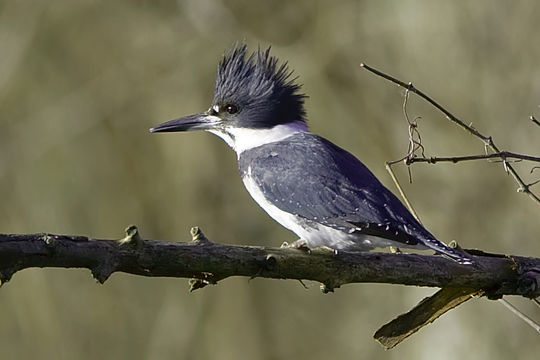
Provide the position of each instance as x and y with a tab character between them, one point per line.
210	262
427	311
488	141
503	156
205	262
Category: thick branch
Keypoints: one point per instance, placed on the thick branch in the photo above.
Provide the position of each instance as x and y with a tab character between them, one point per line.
427	311
210	262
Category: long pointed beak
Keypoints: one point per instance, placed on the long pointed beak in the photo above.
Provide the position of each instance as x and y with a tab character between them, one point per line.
202	121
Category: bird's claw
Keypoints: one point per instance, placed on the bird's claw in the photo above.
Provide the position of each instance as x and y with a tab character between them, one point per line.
299	244
328	249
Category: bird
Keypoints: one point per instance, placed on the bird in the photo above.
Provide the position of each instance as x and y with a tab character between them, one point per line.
309	185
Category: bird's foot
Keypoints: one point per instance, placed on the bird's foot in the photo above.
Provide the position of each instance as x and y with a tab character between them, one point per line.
299	244
328	250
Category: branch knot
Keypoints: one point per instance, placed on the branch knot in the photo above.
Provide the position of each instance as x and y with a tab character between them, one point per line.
198	237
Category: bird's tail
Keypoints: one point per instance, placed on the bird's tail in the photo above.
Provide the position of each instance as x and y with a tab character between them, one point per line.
457	255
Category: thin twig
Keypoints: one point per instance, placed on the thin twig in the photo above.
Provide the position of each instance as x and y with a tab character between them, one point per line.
533	119
521	315
411	87
415	140
503	155
487	140
400	189
412	147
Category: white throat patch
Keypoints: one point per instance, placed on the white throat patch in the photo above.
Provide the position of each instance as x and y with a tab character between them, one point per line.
241	140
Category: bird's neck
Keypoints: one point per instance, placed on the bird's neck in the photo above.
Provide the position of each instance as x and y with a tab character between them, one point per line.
242	139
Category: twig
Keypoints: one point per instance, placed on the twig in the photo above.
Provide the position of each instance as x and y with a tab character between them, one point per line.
412	147
533	119
415	140
487	140
401	192
503	155
411	87
521	315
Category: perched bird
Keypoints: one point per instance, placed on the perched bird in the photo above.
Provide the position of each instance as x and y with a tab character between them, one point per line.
306	183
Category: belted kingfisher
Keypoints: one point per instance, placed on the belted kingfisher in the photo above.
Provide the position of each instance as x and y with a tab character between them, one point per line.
306	183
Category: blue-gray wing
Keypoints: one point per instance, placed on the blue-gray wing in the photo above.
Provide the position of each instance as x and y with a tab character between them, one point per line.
310	177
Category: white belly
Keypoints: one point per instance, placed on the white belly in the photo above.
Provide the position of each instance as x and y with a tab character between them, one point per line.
315	234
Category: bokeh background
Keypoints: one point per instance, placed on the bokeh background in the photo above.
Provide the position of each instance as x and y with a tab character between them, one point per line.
81	83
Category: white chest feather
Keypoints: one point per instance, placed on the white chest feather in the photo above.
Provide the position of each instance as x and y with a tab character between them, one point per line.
242	139
315	234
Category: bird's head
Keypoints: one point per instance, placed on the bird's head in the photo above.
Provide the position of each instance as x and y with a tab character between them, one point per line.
250	92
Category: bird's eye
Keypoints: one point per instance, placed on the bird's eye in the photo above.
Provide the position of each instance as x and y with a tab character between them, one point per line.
231	109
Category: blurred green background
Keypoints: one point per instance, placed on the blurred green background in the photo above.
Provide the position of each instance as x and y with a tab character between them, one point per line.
81	83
